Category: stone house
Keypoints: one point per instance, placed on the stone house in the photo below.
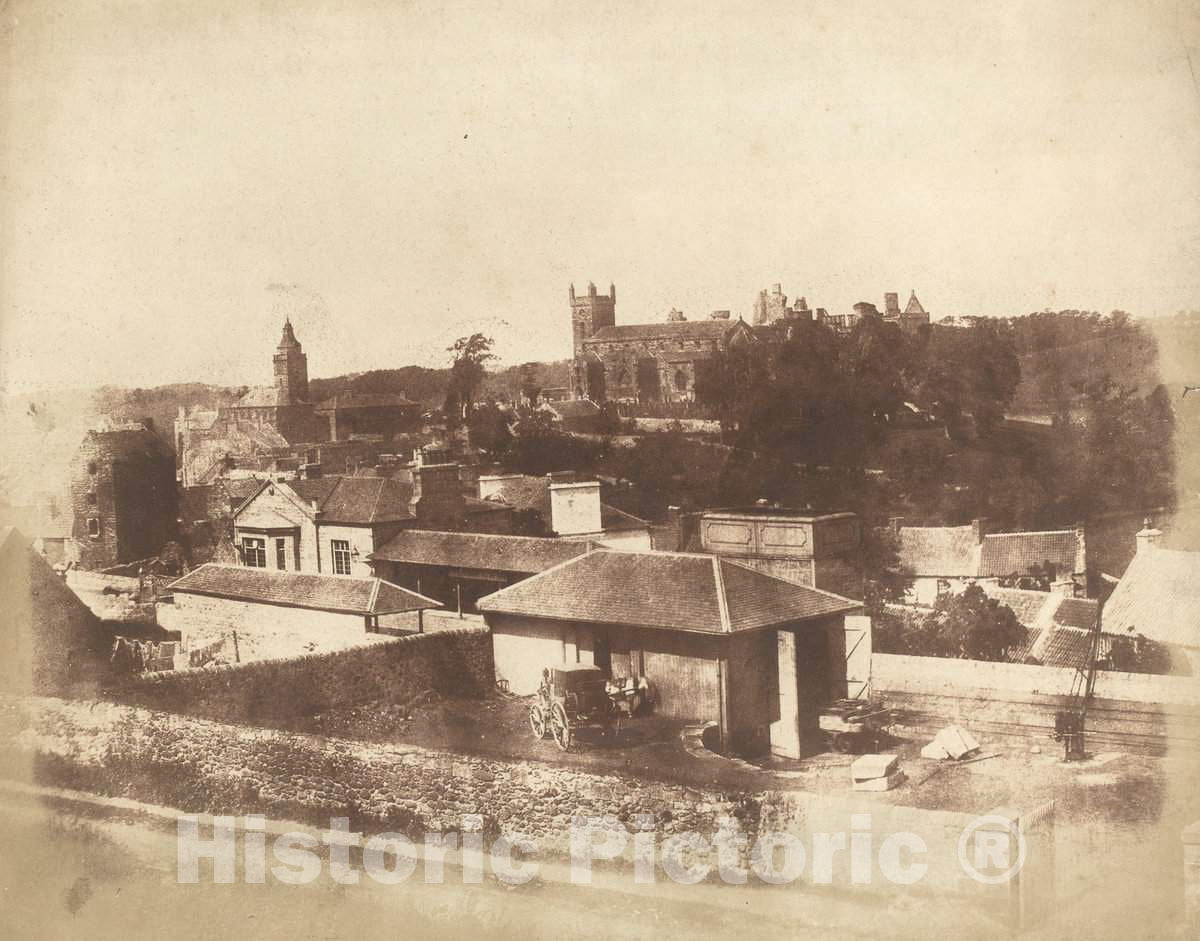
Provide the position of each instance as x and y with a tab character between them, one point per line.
1158	597
945	559
123	496
718	640
331	525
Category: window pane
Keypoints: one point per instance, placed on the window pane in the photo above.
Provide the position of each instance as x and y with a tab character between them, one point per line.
281	554
341	556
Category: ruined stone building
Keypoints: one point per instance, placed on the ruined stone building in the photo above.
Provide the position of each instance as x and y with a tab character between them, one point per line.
123	496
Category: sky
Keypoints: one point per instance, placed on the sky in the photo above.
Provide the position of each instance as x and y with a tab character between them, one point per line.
177	178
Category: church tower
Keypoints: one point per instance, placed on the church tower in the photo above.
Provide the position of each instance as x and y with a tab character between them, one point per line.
291	368
589	313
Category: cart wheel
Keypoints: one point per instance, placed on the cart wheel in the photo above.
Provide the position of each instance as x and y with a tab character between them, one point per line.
560	728
537	721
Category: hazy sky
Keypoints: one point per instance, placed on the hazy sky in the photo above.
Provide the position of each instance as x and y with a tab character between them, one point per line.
176	176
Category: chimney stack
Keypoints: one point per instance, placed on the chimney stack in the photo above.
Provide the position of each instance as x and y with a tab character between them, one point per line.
979	528
1148	537
575	508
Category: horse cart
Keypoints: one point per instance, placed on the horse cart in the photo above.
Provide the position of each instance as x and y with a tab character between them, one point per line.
572	696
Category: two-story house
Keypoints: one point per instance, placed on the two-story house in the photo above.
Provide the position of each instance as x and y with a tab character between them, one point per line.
331	525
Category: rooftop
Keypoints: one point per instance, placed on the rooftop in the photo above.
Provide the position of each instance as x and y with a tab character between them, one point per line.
679	329
1018	553
524	554
668	590
338	593
350	400
1158	597
939	551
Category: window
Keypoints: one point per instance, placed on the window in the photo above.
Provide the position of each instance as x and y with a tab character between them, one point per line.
281	554
93	527
681	380
91	498
91	467
254	552
341	556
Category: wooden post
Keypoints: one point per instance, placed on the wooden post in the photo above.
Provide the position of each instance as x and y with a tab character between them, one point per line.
237	654
458	596
420	620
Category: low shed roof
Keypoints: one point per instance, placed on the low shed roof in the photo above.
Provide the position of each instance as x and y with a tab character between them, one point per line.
340	593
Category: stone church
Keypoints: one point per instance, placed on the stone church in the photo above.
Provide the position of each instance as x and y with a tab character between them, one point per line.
660	362
644	363
277	421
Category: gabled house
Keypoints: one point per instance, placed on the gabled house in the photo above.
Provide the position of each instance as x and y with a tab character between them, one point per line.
945	559
330	525
1158	597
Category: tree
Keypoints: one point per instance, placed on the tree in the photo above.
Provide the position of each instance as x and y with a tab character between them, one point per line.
467	369
971	626
531	385
487	429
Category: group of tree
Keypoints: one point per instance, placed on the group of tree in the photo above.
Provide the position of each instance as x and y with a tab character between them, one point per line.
965	626
825	398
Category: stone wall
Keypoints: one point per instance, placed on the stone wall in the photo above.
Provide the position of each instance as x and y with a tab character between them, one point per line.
454	662
199	766
1131	711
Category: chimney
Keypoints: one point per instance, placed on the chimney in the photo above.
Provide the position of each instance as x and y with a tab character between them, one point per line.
1148	537
979	528
316	507
673	514
719	315
575	508
491	485
1064	586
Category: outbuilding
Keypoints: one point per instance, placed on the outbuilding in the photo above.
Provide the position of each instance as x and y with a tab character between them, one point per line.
233	597
718	640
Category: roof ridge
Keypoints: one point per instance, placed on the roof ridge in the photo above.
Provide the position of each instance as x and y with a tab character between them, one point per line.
722	601
378	498
1034	532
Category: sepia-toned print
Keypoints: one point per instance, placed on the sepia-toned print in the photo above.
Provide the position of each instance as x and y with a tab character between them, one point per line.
369	569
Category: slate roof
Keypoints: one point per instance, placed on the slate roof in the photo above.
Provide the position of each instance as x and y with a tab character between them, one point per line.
339	593
1017	553
671	329
574	408
357	500
352	400
668	590
262	397
939	551
526	492
523	554
1158	597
